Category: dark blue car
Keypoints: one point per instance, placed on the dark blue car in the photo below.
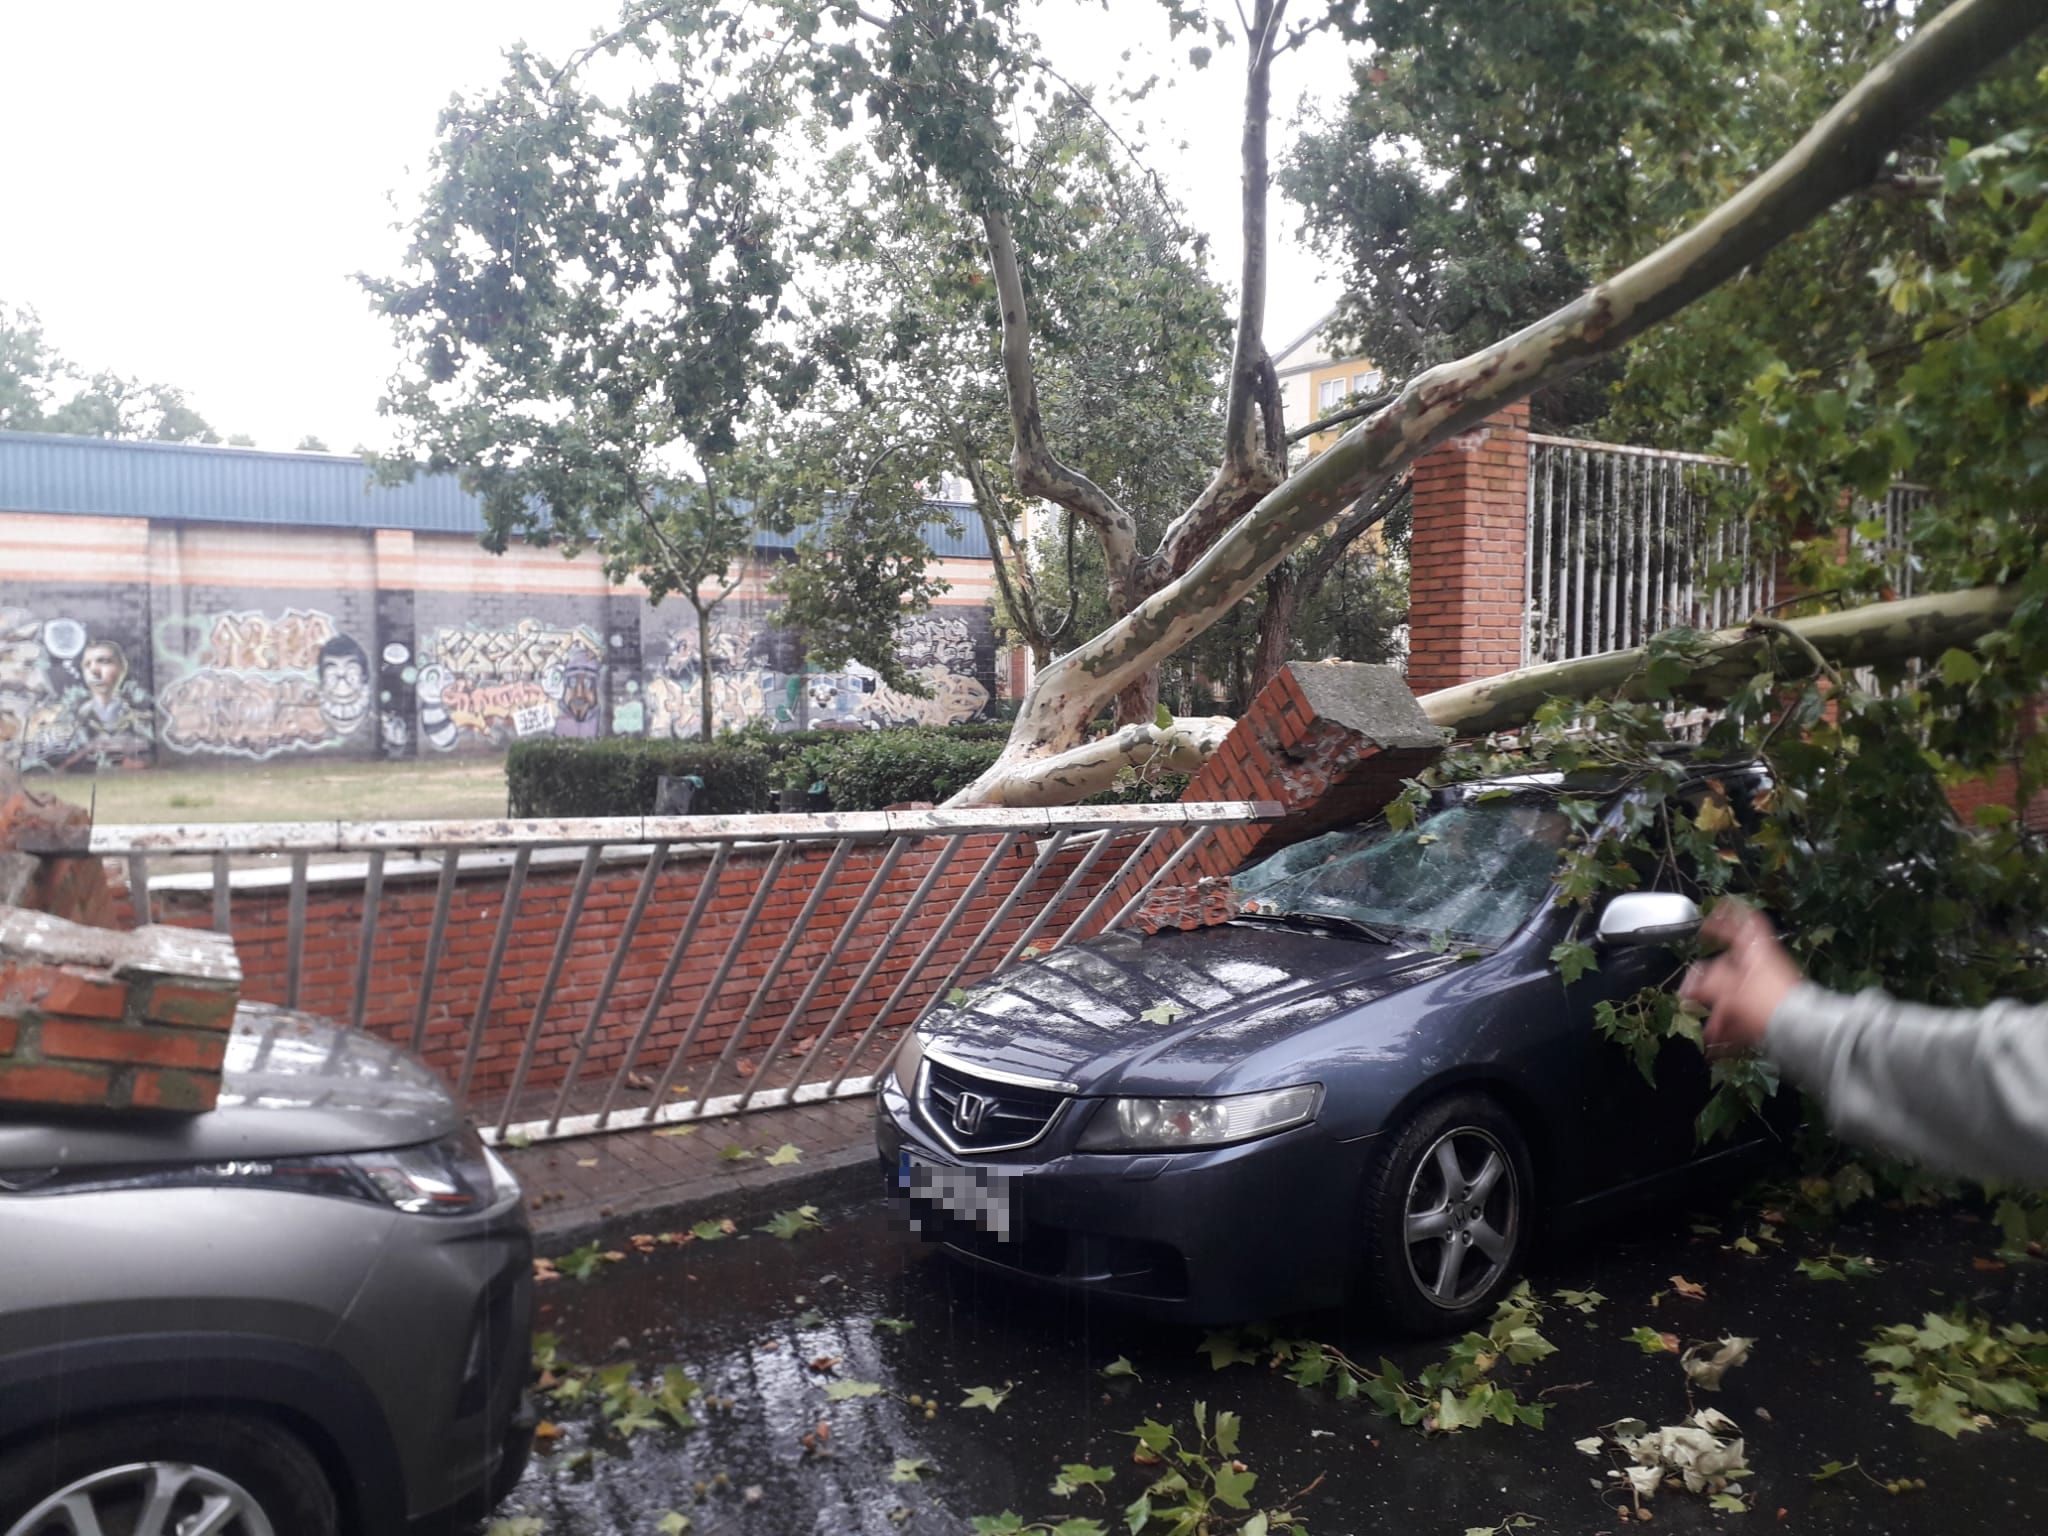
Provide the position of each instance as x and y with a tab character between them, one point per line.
1373	1077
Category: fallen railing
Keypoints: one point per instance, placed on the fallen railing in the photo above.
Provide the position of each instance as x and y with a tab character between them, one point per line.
779	958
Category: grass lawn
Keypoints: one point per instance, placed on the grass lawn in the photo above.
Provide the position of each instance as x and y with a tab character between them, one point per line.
300	790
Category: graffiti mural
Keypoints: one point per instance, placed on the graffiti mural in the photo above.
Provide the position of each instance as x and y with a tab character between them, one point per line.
489	684
256	684
758	674
67	697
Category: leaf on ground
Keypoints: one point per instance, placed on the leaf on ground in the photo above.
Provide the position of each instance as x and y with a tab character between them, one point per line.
677	1130
1706	1364
1651	1342
733	1152
1076	1475
786	1224
586	1162
517	1525
1580	1301
1162	1013
908	1469
895	1324
840	1391
674	1523
986	1397
1224	1349
1691	1290
958	997
784	1155
710	1231
1120	1366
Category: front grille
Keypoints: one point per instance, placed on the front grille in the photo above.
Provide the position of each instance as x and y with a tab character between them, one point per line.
1012	1117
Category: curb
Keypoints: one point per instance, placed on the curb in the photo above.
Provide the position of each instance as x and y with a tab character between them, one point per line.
848	1171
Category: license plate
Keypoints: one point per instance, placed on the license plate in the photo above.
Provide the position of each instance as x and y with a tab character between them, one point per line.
980	1197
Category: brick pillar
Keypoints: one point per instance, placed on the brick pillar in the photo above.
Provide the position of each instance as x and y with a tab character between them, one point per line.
1330	741
1466	558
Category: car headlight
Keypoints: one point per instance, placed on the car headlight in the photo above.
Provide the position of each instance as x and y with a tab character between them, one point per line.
1164	1125
908	1060
454	1176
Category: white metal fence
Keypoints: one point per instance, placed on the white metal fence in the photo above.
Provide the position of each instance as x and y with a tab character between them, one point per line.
1622	544
775	958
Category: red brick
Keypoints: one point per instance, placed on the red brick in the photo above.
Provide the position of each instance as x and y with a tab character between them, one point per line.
187	1092
173	1002
10	1031
58	989
64	1039
38	1083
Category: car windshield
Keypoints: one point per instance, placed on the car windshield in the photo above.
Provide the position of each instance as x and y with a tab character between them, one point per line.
1474	870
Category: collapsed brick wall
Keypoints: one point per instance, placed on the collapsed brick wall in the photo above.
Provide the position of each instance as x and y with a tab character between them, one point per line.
405	915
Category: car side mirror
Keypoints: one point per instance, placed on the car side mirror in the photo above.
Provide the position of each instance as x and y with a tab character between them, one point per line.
1648	920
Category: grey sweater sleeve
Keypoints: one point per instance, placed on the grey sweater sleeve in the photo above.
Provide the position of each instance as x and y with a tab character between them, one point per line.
1962	1089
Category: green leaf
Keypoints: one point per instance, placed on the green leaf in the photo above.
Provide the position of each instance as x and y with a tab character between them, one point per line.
1959	668
1573	960
515	1525
1224	1349
840	1391
908	1469
674	1523
784	1155
733	1152
1152	1435
710	1230
1162	1013
1120	1366
1729	1502
1008	1523
1162	717
1233	1487
1076	1475
581	1263
985	1397
897	1325
959	997
1225	1435
786	1224
1138	1514
1820	1269
1650	1341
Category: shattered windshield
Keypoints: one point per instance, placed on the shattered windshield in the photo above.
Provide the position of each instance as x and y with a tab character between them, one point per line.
1473	870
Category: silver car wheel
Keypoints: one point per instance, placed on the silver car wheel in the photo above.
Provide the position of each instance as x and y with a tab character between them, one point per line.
150	1498
1461	1216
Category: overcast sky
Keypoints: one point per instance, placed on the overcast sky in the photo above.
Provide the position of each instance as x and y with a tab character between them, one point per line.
189	187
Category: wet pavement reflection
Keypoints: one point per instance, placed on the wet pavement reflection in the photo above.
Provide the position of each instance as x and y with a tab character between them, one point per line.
747	1316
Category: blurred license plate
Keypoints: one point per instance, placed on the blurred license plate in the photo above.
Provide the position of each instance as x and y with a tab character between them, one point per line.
980	1197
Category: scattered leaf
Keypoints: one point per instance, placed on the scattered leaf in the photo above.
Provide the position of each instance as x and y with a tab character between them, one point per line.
733	1152
673	1523
1706	1364
1651	1342
986	1397
1689	1289
1162	1013
784	1155
908	1469
677	1130
895	1324
840	1391
787	1224
1120	1366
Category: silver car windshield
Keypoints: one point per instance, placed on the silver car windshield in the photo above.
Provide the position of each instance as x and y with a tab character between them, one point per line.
1474	870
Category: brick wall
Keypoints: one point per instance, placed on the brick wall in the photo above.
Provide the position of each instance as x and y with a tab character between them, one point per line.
334	925
1466	557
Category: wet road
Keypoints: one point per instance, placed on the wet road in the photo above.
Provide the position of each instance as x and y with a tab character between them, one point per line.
745	1316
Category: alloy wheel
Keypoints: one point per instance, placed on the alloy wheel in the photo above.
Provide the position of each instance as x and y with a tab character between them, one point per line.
151	1498
1460	1219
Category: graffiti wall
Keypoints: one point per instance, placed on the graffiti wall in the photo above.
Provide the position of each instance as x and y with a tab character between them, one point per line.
70	698
758	673
255	683
489	684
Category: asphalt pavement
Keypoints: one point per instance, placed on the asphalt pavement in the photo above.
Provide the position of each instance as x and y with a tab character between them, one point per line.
768	1325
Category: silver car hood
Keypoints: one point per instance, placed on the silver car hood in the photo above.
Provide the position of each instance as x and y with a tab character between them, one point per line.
292	1084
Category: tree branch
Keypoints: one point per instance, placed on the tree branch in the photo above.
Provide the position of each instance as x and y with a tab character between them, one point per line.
1039	472
1181	747
1839	155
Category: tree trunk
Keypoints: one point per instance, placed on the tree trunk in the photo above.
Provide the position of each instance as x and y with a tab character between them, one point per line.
1839	155
1855	637
703	670
1276	625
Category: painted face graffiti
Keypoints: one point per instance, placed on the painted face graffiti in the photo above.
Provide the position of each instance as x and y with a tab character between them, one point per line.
258	685
344	683
67	703
489	684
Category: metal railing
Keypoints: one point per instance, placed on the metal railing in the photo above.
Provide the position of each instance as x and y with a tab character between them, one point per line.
600	1036
1622	544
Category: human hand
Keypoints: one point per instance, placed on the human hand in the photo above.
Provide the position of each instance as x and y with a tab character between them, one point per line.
1743	984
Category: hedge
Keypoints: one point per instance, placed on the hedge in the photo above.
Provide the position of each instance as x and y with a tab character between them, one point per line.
547	776
744	770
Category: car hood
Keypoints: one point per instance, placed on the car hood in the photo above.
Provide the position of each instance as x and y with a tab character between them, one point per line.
1090	1016
291	1084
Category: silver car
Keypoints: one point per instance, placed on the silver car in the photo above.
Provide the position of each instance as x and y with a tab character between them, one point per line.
305	1313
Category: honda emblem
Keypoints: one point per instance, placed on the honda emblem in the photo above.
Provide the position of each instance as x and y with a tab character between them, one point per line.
969	1111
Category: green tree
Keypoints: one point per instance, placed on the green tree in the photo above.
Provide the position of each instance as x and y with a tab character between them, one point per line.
41	391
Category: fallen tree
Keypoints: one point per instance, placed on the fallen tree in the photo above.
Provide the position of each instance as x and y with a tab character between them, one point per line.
1841	155
1716	664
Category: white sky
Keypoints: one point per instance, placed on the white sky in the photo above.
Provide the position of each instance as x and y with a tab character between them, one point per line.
190	187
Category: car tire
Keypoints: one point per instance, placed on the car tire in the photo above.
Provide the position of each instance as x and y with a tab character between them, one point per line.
1447	1213
266	1475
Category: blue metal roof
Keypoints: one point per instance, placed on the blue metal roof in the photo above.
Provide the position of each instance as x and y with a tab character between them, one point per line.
201	483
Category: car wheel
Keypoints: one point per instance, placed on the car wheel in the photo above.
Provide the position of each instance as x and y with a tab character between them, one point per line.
1447	1213
162	1475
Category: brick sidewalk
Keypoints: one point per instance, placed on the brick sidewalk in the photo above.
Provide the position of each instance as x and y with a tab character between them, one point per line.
576	1189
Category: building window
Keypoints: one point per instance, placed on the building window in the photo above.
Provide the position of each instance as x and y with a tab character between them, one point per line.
1331	395
1367	383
